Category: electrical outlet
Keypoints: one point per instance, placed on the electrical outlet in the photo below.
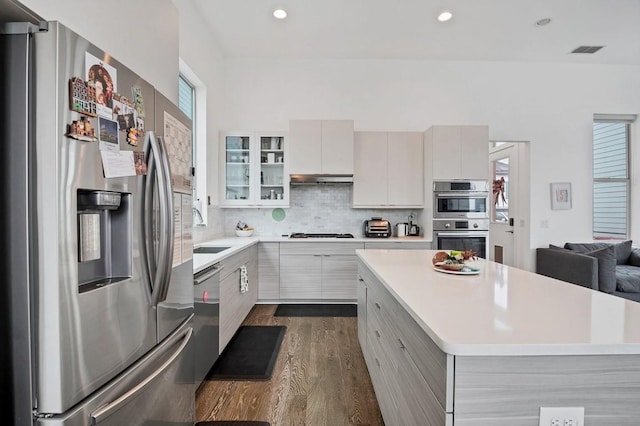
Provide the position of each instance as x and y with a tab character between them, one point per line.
561	416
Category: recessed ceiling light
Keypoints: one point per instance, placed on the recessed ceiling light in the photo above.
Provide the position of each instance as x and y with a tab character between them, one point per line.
445	16
280	13
542	22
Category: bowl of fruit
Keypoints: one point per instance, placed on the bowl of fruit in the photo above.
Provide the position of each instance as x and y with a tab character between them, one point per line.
243	230
453	260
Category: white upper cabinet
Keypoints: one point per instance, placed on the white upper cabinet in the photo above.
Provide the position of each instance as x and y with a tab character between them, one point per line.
388	170
254	169
458	152
321	147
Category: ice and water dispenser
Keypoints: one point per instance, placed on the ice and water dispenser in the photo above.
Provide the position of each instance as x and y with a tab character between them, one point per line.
104	238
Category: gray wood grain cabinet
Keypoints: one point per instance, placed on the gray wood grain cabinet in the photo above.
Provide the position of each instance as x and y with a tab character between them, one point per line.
235	305
318	270
410	374
269	271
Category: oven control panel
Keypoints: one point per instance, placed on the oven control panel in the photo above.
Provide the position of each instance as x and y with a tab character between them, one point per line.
461	225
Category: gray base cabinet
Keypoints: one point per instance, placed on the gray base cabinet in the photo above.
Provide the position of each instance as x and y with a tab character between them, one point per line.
235	305
318	271
269	271
408	371
416	382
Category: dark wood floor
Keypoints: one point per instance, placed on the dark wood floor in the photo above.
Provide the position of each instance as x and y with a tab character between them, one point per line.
320	378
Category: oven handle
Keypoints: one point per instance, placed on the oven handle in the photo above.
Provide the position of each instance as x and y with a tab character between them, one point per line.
462	234
463	194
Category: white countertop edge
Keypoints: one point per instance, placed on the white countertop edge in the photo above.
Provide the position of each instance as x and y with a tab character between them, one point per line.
509	349
203	261
538	349
236	244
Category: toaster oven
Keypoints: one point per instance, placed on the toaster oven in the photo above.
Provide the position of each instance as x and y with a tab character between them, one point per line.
376	227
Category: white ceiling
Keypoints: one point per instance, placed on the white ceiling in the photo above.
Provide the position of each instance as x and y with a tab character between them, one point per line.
493	30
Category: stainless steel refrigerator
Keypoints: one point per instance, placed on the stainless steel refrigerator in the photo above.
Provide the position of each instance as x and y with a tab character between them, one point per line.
97	281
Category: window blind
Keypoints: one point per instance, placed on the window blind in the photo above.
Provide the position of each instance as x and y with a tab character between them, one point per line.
185	97
610	179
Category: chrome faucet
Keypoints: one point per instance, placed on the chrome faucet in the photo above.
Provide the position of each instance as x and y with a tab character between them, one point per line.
198	216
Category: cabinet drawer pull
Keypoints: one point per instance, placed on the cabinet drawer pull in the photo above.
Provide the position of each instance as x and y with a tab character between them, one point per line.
377	362
360	279
377	305
402	346
377	334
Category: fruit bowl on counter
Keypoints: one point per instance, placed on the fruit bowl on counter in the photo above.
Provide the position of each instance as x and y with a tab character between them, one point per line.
243	230
455	261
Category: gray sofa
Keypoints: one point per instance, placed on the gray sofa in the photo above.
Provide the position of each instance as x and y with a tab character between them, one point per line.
607	267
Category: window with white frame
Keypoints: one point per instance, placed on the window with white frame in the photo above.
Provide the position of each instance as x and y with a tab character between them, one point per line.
611	176
191	101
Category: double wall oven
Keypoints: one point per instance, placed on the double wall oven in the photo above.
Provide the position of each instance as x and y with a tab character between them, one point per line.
461	215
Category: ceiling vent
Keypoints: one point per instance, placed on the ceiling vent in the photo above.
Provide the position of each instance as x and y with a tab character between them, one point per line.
586	49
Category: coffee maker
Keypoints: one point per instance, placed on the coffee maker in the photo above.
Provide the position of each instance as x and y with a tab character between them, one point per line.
413	229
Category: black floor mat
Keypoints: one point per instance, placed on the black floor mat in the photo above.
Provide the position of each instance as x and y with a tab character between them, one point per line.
316	310
250	355
232	423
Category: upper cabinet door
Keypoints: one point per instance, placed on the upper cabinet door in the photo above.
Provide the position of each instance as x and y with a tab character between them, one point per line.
446	152
460	152
389	170
405	169
474	147
254	169
305	146
337	146
370	169
321	146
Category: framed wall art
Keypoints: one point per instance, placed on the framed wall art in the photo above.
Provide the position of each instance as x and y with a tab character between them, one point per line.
561	196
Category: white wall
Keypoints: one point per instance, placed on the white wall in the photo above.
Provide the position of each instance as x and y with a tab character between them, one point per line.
202	55
550	105
142	34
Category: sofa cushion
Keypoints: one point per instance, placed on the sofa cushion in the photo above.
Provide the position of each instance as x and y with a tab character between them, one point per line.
606	267
551	246
628	278
634	257
622	249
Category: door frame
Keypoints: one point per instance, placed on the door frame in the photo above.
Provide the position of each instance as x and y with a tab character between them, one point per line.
522	225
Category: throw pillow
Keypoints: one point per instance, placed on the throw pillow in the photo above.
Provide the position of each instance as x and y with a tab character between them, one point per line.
623	251
585	247
606	268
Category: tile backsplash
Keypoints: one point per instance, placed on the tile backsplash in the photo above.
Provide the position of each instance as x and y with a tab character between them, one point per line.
313	209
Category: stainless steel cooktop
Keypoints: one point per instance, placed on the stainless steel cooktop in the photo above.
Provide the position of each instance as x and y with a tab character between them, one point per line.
327	235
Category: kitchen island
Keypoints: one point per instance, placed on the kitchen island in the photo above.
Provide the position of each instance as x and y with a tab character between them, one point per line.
493	348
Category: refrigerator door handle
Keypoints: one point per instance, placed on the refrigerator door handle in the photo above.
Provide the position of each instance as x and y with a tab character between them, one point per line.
106	410
155	259
166	245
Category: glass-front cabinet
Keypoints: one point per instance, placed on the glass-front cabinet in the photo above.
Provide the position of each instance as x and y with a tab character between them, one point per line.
255	170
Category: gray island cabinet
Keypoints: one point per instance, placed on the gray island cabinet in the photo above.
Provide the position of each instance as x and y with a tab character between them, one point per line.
495	347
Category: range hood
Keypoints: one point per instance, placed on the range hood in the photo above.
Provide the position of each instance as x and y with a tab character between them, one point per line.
321	179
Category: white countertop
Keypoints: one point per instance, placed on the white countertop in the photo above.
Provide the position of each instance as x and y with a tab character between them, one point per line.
202	261
504	310
236	244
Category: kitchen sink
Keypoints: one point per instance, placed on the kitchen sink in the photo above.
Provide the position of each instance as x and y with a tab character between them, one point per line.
209	250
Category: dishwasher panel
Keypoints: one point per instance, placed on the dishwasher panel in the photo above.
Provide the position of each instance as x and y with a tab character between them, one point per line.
206	291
